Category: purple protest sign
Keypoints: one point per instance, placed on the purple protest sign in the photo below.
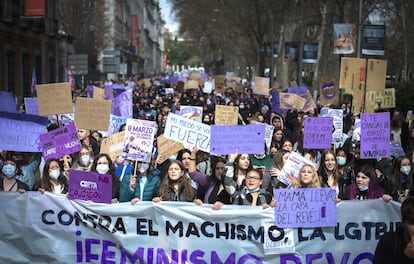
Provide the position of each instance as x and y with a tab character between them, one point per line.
31	105
226	139
109	92
318	132
90	186
8	102
60	142
276	103
122	104
139	139
375	135
308	207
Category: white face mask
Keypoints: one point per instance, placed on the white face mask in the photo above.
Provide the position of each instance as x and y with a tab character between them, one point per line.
143	167
405	169
102	168
85	159
54	174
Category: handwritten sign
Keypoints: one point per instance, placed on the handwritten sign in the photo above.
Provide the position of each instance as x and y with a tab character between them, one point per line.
208	86
21	132
92	113
194	113
115	123
167	147
226	115
261	85
54	98
226	139
268	135
139	139
98	93
290	171
60	142
375	135
291	101
308	207
380	100
188	132
8	102
122	104
113	144
337	115
31	105
191	84
90	186
318	132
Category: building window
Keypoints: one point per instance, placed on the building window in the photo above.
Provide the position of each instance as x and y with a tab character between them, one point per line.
26	76
10	60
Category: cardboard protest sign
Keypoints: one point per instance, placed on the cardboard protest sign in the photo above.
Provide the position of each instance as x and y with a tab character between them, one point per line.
31	105
318	132
90	186
290	171
291	101
92	113
219	80
188	132
375	135
139	139
113	144
98	93
54	98
261	85
60	142
21	132
226	115
307	207
310	103
380	100
376	74
194	113
168	147
191	84
328	90
249	139
352	74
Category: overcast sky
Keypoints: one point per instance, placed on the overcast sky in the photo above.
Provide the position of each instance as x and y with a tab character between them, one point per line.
169	19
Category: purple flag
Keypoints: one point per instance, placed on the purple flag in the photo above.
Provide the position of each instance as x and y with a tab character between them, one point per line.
90	186
34	81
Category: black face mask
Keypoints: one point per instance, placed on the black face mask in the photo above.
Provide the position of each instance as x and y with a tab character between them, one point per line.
271	155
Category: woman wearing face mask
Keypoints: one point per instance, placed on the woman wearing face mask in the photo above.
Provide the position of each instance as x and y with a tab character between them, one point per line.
8	181
400	179
102	164
53	179
140	187
84	159
366	185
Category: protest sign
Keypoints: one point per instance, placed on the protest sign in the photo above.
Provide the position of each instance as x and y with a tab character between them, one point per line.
396	150
208	86
268	136
92	113
115	123
90	186
376	74
108	91
54	98
318	132
375	135
60	142
261	85
191	84
113	144
122	104
291	101
219	80
380	100
139	139
194	113
8	102
98	93
31	106
337	115
226	115
188	132
169	90
276	103
227	139
167	147
290	170
305	207
328	90
152	233
21	132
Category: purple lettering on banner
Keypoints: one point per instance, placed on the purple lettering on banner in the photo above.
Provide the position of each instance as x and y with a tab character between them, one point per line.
248	139
90	186
318	132
60	142
309	207
20	132
375	135
31	106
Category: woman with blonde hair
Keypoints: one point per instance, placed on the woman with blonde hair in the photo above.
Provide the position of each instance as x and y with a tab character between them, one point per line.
308	177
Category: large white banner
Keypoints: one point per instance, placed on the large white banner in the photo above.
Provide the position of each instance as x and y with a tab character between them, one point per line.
47	228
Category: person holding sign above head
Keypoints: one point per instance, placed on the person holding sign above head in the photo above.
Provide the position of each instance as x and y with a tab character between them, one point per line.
53	179
103	164
398	246
8	181
84	159
140	184
236	171
308	177
366	186
175	186
252	193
